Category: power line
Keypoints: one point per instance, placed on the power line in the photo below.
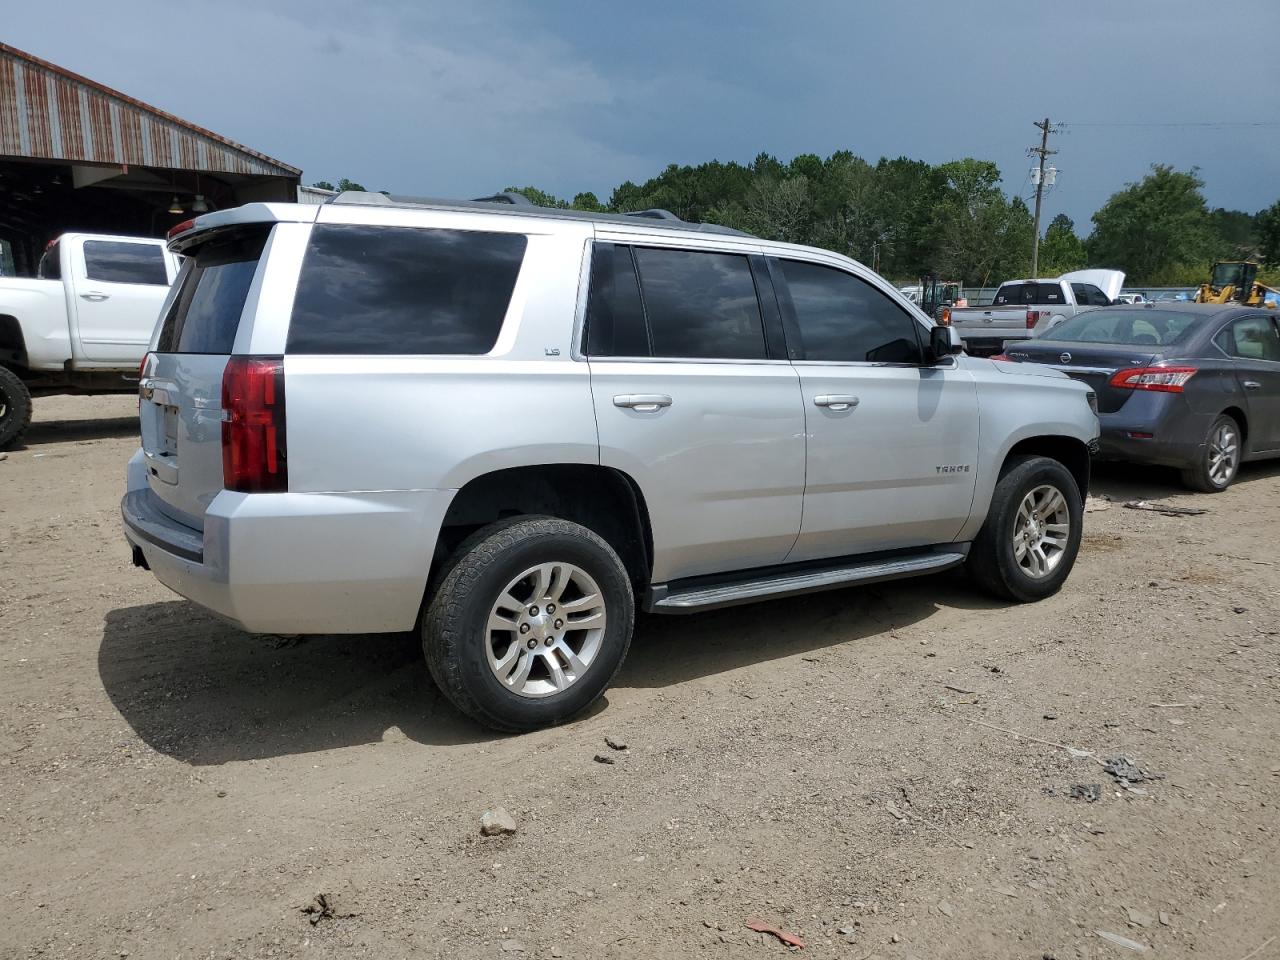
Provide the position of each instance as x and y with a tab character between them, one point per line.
1171	123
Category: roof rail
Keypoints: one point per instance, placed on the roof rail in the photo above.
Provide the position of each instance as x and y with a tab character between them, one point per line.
653	213
507	196
366	197
518	204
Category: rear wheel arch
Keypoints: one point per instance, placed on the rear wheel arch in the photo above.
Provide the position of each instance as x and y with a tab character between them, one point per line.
1236	414
602	499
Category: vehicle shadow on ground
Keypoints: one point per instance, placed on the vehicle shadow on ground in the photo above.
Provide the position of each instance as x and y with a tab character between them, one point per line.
675	649
1131	481
204	692
42	432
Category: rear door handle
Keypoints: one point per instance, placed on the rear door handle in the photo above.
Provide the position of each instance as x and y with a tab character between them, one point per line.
646	402
1252	385
835	401
95	296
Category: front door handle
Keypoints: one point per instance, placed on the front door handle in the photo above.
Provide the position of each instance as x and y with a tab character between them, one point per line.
645	402
95	296
1252	385
835	401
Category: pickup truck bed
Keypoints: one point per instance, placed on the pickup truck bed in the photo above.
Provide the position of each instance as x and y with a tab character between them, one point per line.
1027	308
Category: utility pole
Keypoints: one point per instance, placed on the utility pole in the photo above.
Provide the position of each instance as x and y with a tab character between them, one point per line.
1041	151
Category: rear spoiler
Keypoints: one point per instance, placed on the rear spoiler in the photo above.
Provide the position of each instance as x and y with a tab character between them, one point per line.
189	232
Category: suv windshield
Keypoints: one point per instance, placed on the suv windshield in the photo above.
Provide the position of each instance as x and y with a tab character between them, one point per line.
1137	327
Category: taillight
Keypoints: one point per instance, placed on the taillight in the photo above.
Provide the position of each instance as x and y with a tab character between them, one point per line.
253	434
945	319
1162	379
142	372
182	227
1032	317
1001	356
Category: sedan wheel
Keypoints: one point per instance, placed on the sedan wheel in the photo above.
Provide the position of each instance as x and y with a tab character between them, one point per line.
1224	453
1218	461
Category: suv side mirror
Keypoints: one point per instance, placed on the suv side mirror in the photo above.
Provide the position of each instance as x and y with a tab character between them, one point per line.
943	342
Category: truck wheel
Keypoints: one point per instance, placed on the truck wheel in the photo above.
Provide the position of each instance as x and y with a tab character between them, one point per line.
531	621
15	408
1219	459
1031	537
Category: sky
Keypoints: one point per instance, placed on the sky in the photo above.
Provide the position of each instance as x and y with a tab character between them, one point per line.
462	99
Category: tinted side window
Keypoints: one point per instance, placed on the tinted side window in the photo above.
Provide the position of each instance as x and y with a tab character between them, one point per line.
51	263
844	318
700	305
1081	292
403	290
615	317
1048	293
1096	297
117	261
205	314
1253	338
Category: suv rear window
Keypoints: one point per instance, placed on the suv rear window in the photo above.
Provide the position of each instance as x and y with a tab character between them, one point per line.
205	314
118	261
403	290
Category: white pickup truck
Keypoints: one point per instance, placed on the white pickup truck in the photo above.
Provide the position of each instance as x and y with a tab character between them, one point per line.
1027	308
82	325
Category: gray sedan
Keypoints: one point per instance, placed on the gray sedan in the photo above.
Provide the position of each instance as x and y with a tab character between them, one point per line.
1192	386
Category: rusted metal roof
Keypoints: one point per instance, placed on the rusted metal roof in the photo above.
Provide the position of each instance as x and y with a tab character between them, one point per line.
51	113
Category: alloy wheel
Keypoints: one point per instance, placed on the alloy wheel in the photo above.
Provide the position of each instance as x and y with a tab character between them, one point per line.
545	629
1224	454
1041	531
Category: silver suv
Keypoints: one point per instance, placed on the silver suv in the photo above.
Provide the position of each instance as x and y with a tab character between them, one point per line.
507	427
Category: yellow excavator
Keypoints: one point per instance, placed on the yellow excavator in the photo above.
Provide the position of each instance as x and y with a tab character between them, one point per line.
1237	281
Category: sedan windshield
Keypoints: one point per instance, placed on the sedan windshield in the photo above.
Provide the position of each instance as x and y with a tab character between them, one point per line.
1137	327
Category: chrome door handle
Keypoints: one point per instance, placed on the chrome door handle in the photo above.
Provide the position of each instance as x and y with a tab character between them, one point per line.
646	402
95	296
835	401
1252	385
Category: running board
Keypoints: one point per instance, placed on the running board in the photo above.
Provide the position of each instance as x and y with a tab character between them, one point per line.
675	599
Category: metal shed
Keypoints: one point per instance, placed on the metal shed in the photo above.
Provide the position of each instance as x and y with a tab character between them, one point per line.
77	155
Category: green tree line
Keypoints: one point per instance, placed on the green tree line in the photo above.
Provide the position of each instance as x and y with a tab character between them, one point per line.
906	217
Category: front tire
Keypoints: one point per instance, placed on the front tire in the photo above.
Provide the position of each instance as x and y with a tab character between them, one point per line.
530	622
15	408
1029	542
1218	463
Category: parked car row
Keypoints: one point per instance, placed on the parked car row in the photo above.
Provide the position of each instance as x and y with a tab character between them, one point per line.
550	418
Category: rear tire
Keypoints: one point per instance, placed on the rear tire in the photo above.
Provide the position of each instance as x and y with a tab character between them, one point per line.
1219	461
499	635
1029	542
15	408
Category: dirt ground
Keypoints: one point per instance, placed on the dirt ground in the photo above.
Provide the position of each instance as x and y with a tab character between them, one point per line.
883	772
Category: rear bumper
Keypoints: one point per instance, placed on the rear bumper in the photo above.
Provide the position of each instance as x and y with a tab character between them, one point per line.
296	562
987	342
1177	433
